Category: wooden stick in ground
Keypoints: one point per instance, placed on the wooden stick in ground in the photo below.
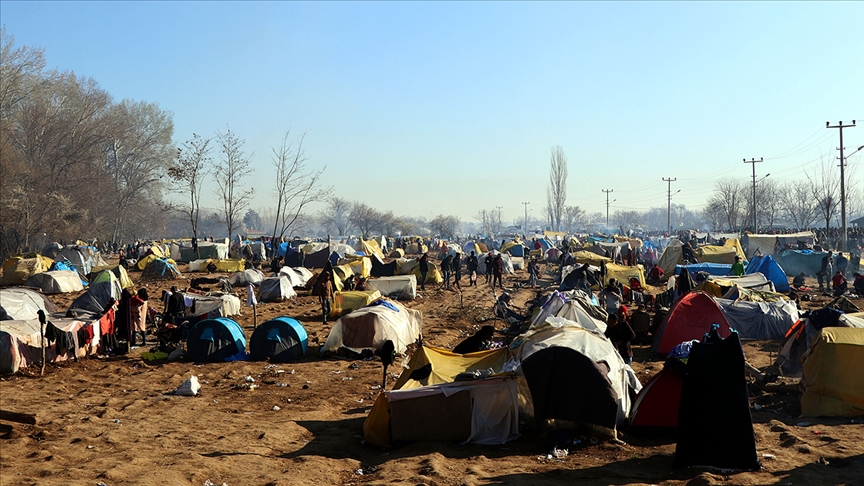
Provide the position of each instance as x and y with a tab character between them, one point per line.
42	321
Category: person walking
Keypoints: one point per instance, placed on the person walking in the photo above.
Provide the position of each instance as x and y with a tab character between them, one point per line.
424	269
488	261
473	265
498	271
325	294
446	267
457	270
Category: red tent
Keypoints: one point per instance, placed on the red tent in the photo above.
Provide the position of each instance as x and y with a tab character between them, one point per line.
690	318
655	410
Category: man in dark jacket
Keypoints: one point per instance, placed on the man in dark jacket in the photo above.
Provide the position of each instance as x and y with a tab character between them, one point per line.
176	304
424	269
621	335
473	265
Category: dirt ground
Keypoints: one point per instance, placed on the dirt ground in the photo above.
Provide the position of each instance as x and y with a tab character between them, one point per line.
113	421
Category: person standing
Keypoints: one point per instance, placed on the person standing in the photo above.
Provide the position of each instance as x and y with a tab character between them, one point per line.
611	297
737	267
473	265
457	270
488	261
325	294
446	267
424	269
825	272
138	304
621	335
498	271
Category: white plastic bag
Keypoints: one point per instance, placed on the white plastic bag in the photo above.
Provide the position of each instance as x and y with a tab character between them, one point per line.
189	388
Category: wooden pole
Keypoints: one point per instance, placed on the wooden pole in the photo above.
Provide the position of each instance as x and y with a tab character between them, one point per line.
255	315
42	321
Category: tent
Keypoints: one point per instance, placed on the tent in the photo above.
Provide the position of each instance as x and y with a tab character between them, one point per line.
241	279
21	342
672	255
765	243
796	261
716	254
455	423
17	270
514	248
575	374
416	248
759	320
573	306
624	273
470	246
766	265
716	269
281	339
297	276
57	282
224	265
216	340
505	259
206	250
118	270
275	289
401	287
23	304
381	269
371	326
397	253
688	319
801	335
103	288
317	259
832	380
161	268
734	243
51	250
591	258
369	248
655	410
78	256
351	300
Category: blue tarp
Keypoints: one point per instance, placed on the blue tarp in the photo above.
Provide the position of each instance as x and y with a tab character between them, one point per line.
716	269
66	265
766	265
796	261
285	249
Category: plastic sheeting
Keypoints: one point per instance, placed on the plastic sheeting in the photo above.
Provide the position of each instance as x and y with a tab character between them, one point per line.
351	300
23	304
759	320
241	279
371	326
298	276
56	282
400	287
832	374
275	289
766	265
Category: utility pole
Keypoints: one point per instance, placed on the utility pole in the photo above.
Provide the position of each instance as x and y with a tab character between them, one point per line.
525	227
607	191
753	162
669	203
841	126
499	216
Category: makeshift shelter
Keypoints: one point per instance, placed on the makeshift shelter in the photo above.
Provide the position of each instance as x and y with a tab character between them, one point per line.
573	306
655	410
102	288
369	248
716	269
401	287
275	289
575	374
672	255
759	320
714	423
216	340
397	253
298	276
735	243
469	417
793	262
801	335
118	270
381	269
317	259
23	304
832	381
51	250
351	300
17	270
226	265
281	339
507	262
765	244
470	246
416	248
21	342
514	248
591	258
690	318
716	254
161	269
78	256
207	250
241	279
342	250
728	287
623	273
766	265
371	326
57	282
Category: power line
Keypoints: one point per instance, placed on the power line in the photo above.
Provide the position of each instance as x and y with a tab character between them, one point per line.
607	191
753	162
669	203
841	126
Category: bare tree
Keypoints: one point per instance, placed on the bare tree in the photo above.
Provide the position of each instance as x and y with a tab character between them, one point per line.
445	225
728	199
229	172
769	202
334	216
296	185
627	219
365	218
797	204
484	219
136	156
825	190
713	215
191	167
573	216
556	191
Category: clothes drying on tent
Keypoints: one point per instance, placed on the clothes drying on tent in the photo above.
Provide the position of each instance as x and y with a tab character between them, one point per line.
714	423
281	339
216	340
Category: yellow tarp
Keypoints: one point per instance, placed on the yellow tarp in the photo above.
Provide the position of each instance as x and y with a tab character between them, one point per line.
734	243
716	254
433	276
509	244
360	265
370	247
589	257
397	253
142	263
17	270
624	273
345	302
832	374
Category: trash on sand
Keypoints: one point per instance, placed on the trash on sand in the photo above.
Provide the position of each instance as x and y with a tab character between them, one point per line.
276	408
189	388
803	424
560	453
249	379
768	456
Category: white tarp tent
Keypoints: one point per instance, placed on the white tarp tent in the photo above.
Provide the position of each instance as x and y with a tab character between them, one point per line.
400	287
370	326
22	304
297	276
56	282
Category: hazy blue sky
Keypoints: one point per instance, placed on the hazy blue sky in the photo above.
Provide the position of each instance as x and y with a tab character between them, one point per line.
446	107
